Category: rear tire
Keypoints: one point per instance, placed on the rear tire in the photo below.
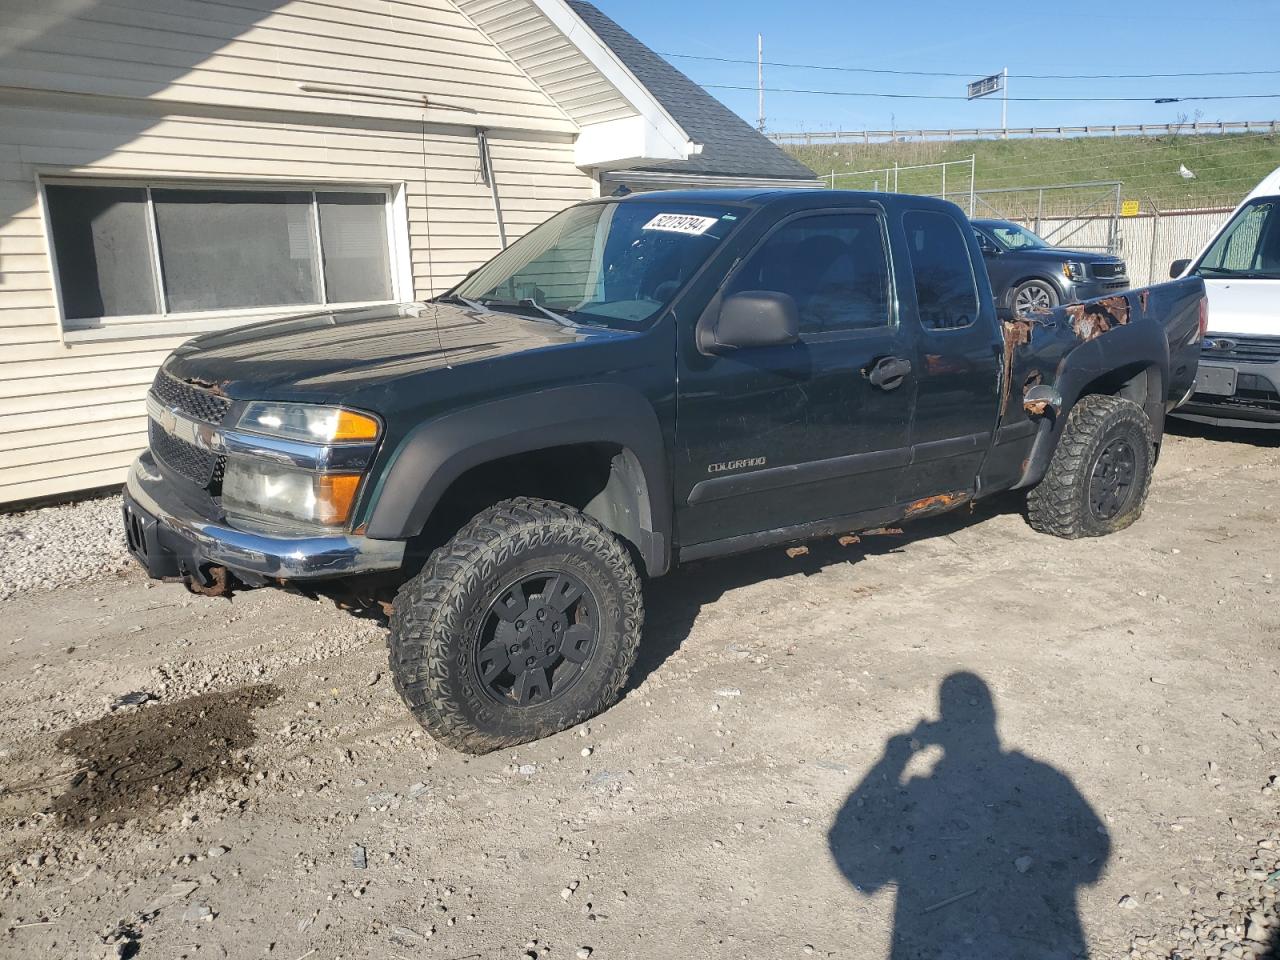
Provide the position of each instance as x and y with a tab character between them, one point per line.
1098	479
526	623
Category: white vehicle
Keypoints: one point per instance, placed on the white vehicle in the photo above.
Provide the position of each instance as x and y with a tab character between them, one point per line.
1239	379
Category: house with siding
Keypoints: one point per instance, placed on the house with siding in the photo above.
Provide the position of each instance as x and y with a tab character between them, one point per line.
171	168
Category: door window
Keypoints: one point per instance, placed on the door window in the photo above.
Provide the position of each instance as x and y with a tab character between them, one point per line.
833	265
946	292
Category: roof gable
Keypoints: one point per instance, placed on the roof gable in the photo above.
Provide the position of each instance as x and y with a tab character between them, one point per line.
730	145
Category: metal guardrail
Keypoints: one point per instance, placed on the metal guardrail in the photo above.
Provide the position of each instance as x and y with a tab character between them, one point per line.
1094	129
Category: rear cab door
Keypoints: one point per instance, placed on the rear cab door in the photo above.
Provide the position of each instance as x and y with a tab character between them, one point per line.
946	298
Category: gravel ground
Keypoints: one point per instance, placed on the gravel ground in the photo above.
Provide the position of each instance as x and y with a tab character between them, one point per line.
791	773
51	547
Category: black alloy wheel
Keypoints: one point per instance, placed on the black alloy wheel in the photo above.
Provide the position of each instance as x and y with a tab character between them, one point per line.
1111	484
536	639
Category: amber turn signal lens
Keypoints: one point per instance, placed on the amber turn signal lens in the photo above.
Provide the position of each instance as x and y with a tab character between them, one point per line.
335	494
355	426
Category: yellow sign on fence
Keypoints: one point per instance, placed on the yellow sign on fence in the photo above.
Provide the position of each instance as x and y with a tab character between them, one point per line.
1130	208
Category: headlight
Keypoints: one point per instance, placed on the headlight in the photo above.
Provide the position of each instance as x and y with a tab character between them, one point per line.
313	487
1073	270
258	490
313	424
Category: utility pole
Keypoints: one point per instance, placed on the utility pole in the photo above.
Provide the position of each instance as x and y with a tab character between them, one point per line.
1004	104
760	79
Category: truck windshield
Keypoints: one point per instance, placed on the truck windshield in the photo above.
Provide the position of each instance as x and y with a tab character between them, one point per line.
1249	246
1013	237
608	264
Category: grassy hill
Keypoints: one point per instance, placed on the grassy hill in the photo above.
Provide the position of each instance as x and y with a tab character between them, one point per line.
1226	166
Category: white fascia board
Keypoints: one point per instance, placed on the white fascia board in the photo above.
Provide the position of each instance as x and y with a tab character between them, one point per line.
664	139
625	142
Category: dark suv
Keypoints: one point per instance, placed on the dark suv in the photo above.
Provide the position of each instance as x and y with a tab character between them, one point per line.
1029	274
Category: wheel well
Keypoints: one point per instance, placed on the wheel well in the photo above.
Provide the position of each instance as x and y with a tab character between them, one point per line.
1135	382
603	480
1141	384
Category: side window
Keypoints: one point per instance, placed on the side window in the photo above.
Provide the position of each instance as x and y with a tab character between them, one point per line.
946	291
833	265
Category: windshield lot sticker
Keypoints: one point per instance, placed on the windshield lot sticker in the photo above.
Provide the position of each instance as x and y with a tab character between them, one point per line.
682	223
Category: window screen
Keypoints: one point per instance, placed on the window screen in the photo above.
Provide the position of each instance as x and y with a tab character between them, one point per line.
101	241
353	235
833	266
228	249
946	292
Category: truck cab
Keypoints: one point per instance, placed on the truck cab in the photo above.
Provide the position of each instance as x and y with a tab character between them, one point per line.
1239	379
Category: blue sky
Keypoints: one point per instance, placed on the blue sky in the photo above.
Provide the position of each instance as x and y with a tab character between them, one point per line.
1029	37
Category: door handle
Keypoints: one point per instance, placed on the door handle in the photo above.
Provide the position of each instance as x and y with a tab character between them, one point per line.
889	373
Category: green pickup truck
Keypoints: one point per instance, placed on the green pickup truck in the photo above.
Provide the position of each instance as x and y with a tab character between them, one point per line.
638	383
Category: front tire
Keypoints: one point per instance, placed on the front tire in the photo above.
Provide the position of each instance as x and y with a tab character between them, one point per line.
1098	479
1032	296
526	623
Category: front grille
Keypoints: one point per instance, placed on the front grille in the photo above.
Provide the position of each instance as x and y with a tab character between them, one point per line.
1109	271
199	466
1243	349
193	401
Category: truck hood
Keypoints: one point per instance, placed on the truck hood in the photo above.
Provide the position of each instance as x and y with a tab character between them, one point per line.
330	355
1244	306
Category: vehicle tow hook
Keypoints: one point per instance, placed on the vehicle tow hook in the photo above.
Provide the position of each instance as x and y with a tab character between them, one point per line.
210	581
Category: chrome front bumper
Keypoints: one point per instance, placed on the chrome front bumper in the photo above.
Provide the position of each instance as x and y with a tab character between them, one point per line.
171	538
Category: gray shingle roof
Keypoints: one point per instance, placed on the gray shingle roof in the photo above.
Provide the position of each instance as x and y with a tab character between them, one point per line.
730	146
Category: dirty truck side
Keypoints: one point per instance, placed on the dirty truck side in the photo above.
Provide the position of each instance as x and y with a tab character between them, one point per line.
638	383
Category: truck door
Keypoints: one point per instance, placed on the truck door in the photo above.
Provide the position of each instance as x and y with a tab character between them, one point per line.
772	437
958	379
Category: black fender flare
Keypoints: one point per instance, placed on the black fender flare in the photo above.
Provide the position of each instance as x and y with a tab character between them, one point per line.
436	453
1134	346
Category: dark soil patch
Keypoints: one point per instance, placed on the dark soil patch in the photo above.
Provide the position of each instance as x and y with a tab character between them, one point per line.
147	760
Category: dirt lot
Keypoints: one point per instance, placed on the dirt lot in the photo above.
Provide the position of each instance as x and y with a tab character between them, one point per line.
751	797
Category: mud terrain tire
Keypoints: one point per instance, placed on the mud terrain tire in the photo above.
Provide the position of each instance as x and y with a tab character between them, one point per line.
1098	479
481	651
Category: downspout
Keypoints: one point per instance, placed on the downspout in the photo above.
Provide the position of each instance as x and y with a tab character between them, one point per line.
487	177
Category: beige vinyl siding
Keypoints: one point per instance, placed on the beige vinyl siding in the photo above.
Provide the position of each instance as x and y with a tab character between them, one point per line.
72	415
255	54
549	58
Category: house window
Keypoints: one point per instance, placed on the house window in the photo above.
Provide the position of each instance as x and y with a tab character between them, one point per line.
161	251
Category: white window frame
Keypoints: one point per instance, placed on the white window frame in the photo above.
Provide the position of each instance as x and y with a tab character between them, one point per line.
192	322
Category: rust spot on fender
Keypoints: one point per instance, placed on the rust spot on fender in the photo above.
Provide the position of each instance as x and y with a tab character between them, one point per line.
849	539
1091	320
1143	298
939	503
794	552
1017	333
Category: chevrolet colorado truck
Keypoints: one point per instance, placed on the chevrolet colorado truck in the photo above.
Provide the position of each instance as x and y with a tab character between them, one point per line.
635	384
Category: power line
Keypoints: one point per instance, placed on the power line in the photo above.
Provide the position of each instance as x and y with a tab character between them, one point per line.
938	73
929	96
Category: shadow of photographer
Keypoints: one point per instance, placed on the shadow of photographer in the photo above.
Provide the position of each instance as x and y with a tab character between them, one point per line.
986	851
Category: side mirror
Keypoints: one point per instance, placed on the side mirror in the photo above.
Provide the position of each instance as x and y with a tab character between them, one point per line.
1179	267
753	318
